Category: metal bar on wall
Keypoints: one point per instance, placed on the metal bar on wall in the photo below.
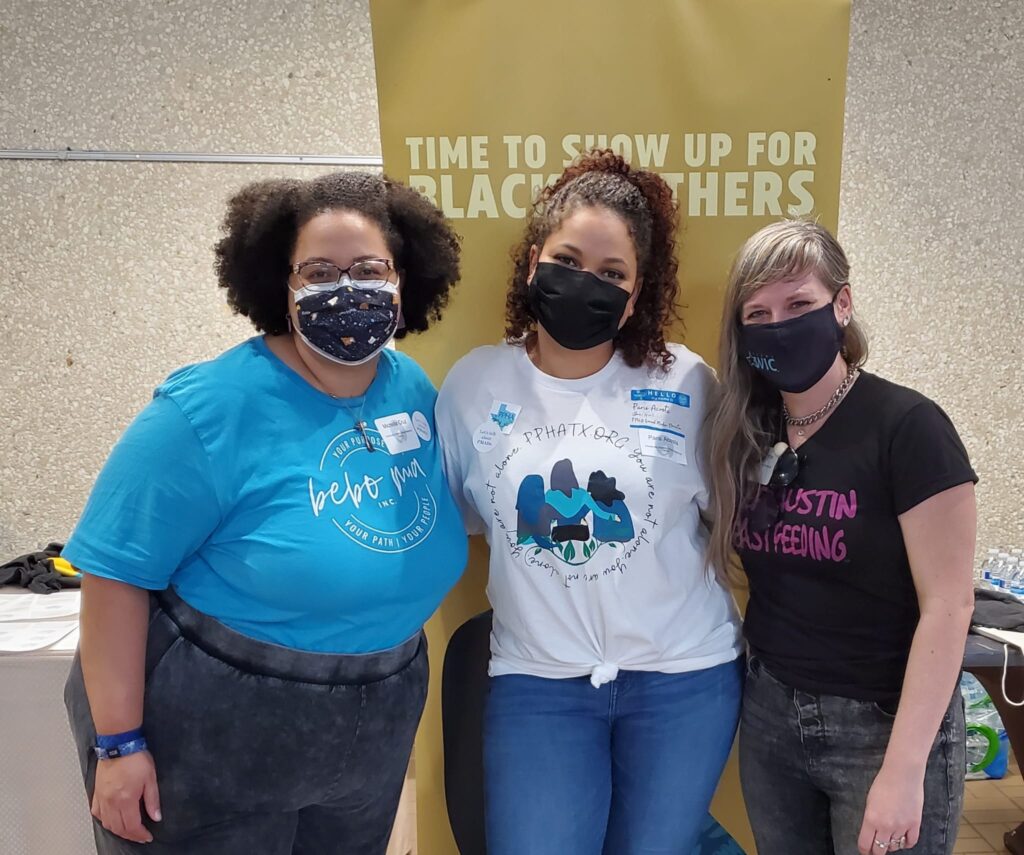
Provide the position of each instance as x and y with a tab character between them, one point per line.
189	157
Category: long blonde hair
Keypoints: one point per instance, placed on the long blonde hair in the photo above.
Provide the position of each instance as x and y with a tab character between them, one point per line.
745	417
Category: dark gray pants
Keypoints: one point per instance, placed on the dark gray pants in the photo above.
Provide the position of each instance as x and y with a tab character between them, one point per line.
263	749
807	762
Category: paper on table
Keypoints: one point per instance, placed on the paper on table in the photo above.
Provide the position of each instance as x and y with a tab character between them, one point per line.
25	606
1006	636
26	636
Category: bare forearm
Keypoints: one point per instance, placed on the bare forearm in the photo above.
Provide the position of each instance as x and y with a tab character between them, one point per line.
932	672
115	621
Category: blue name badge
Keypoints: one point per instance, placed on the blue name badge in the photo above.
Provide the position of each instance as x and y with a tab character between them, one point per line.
660	423
662	396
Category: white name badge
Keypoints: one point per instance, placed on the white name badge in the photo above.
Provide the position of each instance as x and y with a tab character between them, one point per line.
398	433
663	444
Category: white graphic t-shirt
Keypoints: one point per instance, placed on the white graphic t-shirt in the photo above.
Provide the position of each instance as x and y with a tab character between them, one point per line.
589	494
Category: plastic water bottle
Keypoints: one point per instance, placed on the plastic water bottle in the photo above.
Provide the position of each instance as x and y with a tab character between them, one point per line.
1015	573
987	744
1005	572
996	572
991	557
972	690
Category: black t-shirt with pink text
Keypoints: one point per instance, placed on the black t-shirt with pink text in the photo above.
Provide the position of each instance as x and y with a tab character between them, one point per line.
833	608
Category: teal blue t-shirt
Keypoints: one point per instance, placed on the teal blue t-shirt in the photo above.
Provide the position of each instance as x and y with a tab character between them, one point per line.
254	496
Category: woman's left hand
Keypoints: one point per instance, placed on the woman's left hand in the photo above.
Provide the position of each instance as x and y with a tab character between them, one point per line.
893	813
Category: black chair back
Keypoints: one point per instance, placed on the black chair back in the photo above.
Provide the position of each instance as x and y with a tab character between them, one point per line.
463	695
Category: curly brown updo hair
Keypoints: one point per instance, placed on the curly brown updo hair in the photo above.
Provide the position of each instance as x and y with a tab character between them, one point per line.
644	202
263	220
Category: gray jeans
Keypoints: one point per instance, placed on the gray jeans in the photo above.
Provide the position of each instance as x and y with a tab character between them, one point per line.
807	762
263	749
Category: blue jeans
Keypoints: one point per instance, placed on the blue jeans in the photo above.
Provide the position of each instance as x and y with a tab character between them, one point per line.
807	762
627	769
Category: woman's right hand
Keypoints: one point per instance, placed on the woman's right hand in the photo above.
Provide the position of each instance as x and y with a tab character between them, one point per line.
121	784
115	624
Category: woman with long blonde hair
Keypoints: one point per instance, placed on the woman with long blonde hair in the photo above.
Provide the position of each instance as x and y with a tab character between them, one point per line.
849	501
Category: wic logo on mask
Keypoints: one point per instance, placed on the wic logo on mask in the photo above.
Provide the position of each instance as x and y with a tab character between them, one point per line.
762	363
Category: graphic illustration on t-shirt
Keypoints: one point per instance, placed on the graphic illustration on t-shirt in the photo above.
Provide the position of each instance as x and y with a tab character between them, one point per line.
568	521
379	500
572	500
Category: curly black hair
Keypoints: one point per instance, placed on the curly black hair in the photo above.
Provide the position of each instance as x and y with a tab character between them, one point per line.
644	201
263	221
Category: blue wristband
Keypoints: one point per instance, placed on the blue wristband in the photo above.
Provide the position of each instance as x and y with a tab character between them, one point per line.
118	738
125	749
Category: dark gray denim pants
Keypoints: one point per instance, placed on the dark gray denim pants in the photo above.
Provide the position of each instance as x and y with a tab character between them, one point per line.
264	749
807	762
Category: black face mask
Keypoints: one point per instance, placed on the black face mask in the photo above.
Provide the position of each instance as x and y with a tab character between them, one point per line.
793	355
578	309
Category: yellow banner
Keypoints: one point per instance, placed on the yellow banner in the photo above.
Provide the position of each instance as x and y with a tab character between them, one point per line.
737	103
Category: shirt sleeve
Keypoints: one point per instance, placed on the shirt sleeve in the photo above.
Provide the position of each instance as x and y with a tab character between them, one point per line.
453	446
708	383
926	457
153	505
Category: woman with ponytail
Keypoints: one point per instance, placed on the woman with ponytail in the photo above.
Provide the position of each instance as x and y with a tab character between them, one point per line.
265	542
574	447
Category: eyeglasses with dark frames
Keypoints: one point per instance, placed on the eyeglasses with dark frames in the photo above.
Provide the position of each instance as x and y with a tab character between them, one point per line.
369	274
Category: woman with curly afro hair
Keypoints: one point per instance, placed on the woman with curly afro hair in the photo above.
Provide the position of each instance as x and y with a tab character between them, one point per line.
265	542
574	448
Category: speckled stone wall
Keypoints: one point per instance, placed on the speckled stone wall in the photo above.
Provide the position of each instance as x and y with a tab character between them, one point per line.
183	75
106	274
930	214
106	268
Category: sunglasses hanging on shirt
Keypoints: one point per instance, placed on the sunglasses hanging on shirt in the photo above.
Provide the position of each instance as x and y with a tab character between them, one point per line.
779	469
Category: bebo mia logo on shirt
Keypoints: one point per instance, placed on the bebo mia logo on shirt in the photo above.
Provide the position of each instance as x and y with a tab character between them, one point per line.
371	498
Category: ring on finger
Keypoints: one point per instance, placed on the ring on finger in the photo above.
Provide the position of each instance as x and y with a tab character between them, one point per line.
881	845
897	843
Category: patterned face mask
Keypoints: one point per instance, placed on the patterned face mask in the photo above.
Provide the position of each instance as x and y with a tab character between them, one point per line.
346	324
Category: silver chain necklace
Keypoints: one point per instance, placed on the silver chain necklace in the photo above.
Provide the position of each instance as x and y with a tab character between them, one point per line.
830	404
359	425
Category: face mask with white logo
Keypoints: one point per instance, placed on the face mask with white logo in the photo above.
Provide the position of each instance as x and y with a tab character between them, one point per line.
795	354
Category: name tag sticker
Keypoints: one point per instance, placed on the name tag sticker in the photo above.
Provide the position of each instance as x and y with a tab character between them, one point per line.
663	396
422	426
398	433
663	444
657	419
486	437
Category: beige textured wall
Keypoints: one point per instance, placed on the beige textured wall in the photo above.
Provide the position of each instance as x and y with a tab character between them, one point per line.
105	269
930	214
